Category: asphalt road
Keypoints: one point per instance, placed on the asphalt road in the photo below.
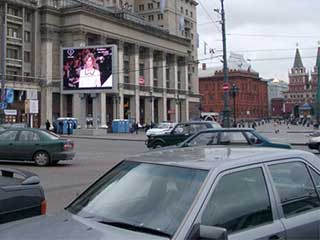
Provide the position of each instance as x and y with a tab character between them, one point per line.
93	158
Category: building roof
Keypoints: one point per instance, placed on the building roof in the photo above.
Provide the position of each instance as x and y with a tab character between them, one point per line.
237	62
210	157
209	72
297	60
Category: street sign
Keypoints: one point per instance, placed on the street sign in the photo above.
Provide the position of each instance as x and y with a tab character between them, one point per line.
225	87
3	105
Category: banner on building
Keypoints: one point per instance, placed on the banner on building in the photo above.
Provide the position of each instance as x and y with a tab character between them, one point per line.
32	95
89	68
162	5
181	24
31	106
9	95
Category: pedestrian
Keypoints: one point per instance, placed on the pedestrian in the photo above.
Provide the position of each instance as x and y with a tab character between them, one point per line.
137	127
60	127
54	124
276	129
48	125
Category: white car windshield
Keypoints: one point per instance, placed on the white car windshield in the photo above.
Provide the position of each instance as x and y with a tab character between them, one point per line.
163	125
141	196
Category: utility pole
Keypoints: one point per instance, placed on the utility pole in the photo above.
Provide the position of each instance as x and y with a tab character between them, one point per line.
318	95
3	62
226	108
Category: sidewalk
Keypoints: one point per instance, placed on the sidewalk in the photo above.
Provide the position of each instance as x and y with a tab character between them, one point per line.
295	135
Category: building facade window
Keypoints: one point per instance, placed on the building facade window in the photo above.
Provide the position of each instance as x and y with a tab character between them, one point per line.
150	5
28	16
150	17
27	57
14	11
12	53
141	7
27	36
13	32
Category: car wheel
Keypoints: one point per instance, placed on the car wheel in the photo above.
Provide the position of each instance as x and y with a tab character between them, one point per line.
157	145
41	158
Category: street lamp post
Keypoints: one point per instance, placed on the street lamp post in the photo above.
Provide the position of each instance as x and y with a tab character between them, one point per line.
318	95
234	90
151	99
178	101
3	61
226	109
116	100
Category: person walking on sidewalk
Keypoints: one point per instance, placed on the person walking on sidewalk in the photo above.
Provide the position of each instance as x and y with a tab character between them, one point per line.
48	125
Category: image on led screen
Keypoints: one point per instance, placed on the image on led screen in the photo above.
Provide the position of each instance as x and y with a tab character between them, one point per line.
87	68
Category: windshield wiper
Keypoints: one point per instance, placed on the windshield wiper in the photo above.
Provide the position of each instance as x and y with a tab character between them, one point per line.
137	228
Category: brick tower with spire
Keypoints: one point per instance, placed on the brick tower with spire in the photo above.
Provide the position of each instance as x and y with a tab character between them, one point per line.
300	91
314	74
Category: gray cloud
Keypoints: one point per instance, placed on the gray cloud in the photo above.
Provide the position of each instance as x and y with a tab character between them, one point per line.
281	24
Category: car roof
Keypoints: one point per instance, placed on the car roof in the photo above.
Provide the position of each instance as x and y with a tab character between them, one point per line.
210	157
227	130
197	122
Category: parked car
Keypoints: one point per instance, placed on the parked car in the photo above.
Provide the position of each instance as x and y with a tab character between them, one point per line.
192	193
231	136
161	128
314	142
21	195
37	145
179	133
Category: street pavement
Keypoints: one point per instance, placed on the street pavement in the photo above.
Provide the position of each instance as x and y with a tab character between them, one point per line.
294	134
96	155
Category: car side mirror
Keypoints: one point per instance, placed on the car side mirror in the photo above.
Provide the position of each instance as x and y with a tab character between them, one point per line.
213	233
31	180
205	232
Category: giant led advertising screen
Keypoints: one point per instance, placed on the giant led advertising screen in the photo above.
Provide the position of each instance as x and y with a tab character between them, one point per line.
88	69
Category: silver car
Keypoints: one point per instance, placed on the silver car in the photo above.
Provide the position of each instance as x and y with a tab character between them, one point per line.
192	193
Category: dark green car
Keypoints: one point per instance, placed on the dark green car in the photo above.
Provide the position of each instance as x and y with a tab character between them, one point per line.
179	133
39	146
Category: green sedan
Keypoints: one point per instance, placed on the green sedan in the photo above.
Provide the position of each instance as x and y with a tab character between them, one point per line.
29	144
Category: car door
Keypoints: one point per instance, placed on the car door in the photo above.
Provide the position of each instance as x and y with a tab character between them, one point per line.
180	133
7	144
27	142
297	198
242	203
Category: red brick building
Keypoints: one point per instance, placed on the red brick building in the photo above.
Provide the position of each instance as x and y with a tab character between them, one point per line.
277	109
251	100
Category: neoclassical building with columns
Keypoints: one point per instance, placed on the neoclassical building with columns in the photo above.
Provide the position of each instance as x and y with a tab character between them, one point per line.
157	73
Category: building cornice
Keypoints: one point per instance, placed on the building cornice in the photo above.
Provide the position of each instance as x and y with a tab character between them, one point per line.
106	15
32	4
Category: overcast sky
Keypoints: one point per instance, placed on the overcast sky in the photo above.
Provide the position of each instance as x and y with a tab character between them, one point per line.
265	31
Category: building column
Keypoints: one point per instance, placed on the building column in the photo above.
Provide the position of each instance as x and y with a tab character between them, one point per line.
118	104
134	66
103	110
174	72
46	70
162	83
95	104
149	68
184	86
